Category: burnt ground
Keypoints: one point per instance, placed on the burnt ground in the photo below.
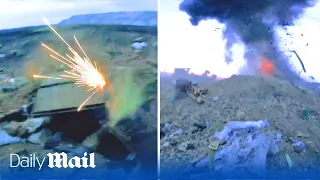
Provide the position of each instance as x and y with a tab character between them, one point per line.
241	98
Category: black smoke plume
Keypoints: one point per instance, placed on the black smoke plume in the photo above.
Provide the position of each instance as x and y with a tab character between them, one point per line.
251	21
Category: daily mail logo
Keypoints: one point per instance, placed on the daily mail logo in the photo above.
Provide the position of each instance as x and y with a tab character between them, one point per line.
53	160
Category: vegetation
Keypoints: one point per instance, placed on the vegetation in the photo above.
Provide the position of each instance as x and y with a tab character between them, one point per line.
108	45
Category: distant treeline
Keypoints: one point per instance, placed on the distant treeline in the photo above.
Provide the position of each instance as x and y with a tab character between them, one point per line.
34	30
122	28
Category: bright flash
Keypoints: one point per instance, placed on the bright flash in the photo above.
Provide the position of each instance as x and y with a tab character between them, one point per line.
82	71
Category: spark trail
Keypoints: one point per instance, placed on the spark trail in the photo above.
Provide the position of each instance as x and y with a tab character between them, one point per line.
82	71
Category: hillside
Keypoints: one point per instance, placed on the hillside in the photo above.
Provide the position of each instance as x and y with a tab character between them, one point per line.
292	113
137	18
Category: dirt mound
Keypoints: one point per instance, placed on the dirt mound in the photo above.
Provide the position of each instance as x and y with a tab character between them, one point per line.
290	111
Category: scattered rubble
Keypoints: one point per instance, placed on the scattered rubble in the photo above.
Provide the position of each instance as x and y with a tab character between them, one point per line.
249	145
185	146
299	146
5	138
10	85
241	115
80	132
12	128
246	147
215	99
40	137
185	87
26	127
177	133
200	125
3	57
30	123
54	141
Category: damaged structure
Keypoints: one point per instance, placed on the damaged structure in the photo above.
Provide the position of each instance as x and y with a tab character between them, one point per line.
57	100
185	87
53	97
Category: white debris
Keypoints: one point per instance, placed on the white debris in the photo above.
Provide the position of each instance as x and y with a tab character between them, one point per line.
139	45
215	99
34	124
5	138
233	125
2	57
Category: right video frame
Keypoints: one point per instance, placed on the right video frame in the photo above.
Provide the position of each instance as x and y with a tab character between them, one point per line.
239	89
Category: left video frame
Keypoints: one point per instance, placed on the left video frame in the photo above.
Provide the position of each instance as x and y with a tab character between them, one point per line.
78	92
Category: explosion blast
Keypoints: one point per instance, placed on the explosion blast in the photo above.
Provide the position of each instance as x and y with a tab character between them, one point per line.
252	22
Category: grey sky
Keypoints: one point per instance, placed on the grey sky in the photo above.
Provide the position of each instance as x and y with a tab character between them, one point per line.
21	13
169	5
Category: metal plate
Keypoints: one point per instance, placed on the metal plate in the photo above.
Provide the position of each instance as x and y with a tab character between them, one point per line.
64	98
51	82
214	145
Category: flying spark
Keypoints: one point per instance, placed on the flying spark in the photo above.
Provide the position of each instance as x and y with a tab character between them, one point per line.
82	71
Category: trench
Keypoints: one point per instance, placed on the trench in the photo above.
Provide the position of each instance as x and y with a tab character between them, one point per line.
77	126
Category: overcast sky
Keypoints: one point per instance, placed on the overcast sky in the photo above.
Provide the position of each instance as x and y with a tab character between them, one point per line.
21	13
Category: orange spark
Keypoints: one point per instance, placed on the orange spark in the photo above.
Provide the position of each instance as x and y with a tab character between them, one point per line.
82	71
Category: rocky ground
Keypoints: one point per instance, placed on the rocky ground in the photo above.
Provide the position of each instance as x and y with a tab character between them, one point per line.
293	115
75	133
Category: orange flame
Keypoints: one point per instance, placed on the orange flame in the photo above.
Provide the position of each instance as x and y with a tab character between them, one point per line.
267	66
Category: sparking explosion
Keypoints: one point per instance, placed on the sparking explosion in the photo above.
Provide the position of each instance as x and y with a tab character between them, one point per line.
82	71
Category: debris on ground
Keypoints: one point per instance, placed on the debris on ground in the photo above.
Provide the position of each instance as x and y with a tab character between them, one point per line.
40	137
23	111
48	133
5	138
2	57
246	147
299	147
289	161
197	93
184	87
177	133
215	99
232	115
61	128
10	85
139	44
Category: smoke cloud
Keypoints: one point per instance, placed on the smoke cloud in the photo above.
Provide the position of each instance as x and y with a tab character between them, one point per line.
253	22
